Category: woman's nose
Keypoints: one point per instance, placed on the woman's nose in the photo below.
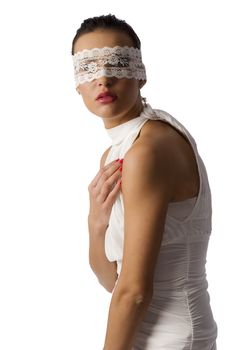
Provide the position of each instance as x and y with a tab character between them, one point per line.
105	81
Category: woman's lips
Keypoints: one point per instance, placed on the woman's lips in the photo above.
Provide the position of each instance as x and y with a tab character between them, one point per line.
106	98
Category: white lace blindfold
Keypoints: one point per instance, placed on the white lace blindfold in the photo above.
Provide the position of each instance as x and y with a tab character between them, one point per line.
119	62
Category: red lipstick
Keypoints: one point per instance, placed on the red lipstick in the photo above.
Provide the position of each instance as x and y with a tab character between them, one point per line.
106	97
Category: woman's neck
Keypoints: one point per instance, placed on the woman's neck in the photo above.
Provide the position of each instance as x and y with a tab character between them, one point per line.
134	112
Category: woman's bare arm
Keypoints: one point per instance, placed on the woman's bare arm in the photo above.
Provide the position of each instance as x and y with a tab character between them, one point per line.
105	270
148	180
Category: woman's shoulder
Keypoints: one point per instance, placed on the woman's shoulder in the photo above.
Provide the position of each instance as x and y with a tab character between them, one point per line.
157	134
154	141
165	131
160	142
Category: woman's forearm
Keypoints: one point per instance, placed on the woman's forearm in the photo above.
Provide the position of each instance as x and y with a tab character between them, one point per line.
105	270
125	314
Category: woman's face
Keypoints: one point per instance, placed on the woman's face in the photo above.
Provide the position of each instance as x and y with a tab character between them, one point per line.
127	103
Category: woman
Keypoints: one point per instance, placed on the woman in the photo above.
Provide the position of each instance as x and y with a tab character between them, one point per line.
150	202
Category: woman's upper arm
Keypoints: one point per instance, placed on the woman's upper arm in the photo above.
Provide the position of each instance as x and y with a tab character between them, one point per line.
147	188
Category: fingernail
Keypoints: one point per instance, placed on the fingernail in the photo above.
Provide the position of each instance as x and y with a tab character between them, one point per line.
117	160
120	168
121	161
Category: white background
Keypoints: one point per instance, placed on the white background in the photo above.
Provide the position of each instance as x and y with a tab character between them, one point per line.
50	147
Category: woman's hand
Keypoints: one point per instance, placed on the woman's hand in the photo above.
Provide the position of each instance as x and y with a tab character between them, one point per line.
103	191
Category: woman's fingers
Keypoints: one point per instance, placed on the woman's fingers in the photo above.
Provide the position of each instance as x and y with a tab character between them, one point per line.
103	191
107	170
114	193
107	173
106	187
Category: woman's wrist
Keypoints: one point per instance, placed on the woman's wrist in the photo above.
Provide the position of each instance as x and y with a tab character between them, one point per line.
97	228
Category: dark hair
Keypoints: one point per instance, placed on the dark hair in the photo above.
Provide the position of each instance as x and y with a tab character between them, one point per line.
106	22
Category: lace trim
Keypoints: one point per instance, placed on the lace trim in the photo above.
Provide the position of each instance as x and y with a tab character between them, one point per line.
121	62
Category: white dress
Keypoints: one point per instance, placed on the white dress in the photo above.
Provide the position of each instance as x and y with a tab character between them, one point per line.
179	316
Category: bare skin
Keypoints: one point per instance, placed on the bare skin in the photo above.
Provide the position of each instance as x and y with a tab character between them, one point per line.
187	181
103	190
